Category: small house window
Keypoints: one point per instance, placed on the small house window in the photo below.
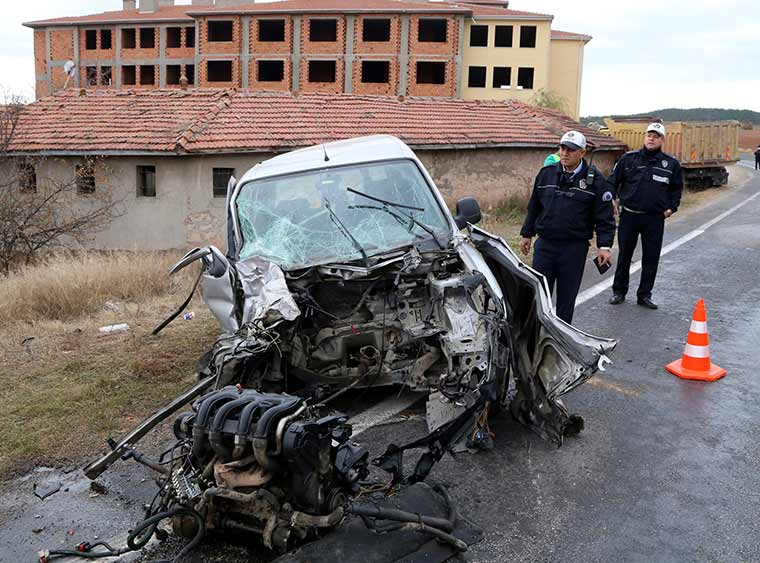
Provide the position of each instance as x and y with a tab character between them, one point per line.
271	71
219	71
323	30
502	76
105	39
221	180
146	181
190	37
322	71
477	77
85	178
219	31
147	37
173	37
173	74
27	176
432	31
429	72
528	36
92	75
503	36
91	39
190	74
376	72
272	30
478	36
106	76
129	75
525	78
128	38
147	75
374	29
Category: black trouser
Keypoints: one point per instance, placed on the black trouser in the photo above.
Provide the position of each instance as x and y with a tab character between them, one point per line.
562	261
757	163
650	227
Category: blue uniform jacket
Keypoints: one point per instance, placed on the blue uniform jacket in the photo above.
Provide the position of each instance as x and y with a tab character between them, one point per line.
647	182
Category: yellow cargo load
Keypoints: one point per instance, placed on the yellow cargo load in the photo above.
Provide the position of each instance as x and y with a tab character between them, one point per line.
703	148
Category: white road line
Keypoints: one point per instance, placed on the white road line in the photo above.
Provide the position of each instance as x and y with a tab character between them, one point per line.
595	290
746	165
383	410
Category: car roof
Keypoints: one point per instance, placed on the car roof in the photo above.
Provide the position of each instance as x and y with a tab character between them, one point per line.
371	148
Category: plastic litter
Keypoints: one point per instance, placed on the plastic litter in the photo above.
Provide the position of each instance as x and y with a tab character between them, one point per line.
189	316
122	327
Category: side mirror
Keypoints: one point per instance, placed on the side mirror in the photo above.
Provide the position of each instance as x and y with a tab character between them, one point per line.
468	211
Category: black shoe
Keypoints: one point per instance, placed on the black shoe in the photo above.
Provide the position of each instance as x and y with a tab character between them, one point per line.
646	302
617	299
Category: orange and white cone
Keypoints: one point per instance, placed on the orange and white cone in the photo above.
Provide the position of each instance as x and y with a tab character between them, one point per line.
695	363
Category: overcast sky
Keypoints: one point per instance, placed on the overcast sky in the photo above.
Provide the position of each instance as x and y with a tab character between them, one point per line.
645	55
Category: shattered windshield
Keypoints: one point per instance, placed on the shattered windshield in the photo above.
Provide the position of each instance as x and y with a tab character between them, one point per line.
338	214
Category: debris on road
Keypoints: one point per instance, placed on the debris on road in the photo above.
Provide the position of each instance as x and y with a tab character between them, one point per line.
122	327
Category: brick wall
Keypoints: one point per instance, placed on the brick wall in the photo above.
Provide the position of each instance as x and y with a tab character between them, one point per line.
202	73
283	86
448	88
271	47
417	47
99	53
40	63
387	89
393	46
62	44
337	47
137	52
328	87
183	51
221	47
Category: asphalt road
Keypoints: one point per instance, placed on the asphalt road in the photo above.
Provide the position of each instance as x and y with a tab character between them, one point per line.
665	470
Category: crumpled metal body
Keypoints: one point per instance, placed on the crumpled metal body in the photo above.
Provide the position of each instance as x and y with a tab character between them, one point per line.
267	297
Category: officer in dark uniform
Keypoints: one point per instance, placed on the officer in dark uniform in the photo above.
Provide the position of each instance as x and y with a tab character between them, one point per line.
570	201
649	183
757	158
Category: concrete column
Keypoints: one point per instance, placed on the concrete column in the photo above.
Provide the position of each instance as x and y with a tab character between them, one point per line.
458	57
117	59
348	66
296	55
162	56
75	81
197	63
403	57
48	64
245	57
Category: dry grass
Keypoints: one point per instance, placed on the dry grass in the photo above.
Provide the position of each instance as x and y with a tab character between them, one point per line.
66	386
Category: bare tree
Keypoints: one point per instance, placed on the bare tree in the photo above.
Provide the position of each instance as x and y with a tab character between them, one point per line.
41	212
549	99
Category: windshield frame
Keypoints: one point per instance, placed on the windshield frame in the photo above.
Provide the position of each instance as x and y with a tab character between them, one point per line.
437	197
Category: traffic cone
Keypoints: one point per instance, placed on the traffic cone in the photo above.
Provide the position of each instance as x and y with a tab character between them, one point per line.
695	363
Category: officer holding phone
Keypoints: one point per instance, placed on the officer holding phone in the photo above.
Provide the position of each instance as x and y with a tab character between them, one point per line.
569	203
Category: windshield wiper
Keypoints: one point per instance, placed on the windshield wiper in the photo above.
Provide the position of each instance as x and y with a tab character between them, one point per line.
343	229
408	216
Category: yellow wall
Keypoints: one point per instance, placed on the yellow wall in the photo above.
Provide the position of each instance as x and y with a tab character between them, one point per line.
514	57
565	73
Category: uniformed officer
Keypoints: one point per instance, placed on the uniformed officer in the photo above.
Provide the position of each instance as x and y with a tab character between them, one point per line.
649	183
569	202
757	158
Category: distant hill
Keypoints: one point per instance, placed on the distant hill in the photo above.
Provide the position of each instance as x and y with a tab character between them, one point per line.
694	114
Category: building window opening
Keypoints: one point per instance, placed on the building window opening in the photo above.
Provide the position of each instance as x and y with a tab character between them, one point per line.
525	78
219	31
190	74
128	38
147	38
429	72
27	176
322	71
503	36
174	37
146	181
376	30
91	39
92	75
106	76
221	180
147	75
478	36
220	71
106	39
477	77
173	74
376	72
502	77
190	37
85	178
272	31
271	71
323	30
432	31
129	75
528	36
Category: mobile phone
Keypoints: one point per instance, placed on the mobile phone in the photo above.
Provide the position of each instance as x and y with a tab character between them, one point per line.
602	268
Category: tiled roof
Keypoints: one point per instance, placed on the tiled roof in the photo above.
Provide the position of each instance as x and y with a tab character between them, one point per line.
336	6
498	12
167	13
203	121
557	34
